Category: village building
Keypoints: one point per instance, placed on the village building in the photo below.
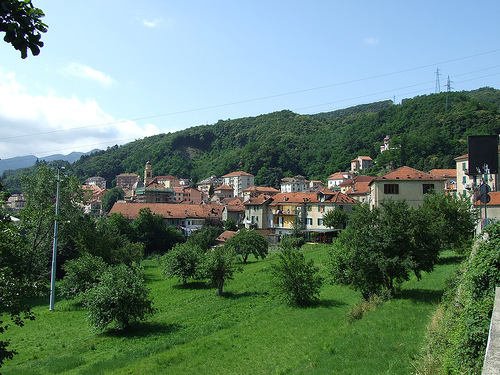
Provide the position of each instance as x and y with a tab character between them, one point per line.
223	192
357	188
15	202
212	182
404	183
125	181
226	235
93	199
450	185
239	181
294	184
184	216
96	181
255	191
334	180
360	163
233	209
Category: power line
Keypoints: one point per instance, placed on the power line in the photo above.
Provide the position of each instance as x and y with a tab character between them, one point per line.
254	99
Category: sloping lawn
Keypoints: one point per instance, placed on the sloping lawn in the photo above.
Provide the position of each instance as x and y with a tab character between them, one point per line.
246	332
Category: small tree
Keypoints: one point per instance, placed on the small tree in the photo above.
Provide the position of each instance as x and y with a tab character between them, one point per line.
335	217
121	297
111	197
81	274
295	280
248	241
218	266
230	224
182	262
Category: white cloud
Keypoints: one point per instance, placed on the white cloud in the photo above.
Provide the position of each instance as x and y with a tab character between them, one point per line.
370	41
86	72
49	124
152	23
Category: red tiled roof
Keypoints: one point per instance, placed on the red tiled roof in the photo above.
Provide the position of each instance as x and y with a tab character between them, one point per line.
445	173
257	200
225	235
224	187
261	189
408	174
357	180
168	210
359	188
239	173
337	176
298	198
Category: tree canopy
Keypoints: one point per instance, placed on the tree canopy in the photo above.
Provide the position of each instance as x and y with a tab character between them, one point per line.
21	22
248	241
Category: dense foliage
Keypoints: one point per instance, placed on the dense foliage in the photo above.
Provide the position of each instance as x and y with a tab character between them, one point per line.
22	25
120	298
182	261
248	241
383	246
295	280
218	266
458	342
425	134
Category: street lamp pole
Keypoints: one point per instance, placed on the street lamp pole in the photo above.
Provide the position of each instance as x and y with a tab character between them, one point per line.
54	247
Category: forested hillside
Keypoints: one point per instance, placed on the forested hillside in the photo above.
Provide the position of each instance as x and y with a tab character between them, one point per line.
427	132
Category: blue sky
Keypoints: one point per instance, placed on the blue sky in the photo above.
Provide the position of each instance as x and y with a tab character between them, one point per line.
115	71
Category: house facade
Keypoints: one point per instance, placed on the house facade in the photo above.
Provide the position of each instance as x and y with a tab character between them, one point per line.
358	188
126	180
184	216
239	181
360	163
334	180
277	215
294	184
404	183
96	181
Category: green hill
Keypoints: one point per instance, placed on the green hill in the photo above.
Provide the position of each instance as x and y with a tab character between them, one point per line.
429	132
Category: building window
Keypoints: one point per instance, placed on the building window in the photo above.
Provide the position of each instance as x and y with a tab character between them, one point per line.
321	208
464	179
320	221
391	189
427	188
309	221
464	166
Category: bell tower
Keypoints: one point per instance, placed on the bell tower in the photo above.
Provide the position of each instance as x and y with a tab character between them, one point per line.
148	174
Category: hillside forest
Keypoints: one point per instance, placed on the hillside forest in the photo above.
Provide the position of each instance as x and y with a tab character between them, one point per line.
426	132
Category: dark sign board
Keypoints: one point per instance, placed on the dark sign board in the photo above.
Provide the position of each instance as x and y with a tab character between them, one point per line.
483	154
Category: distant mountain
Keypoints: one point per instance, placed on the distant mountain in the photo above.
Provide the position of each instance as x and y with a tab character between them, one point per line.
30	160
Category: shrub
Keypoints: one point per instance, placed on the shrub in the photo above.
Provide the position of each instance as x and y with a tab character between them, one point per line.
295	280
81	274
182	261
121	297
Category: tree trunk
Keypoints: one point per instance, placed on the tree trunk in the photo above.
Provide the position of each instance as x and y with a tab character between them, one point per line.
220	285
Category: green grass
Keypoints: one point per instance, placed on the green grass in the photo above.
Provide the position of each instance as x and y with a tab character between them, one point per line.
245	332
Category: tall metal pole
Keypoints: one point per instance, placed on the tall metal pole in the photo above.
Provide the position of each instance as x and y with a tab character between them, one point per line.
54	248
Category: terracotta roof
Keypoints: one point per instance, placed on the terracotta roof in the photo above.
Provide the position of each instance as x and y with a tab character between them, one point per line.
257	200
298	198
360	188
337	176
261	189
357	180
224	187
239	173
225	235
128	175
408	174
445	173
169	210
365	158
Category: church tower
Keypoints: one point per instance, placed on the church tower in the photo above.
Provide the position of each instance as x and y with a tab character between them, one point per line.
148	174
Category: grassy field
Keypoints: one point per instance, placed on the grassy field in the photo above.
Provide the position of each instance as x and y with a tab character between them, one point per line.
245	332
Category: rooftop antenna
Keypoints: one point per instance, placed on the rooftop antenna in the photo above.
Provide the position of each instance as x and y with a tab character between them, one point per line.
438	85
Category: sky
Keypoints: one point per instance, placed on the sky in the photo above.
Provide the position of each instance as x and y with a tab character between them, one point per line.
112	72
